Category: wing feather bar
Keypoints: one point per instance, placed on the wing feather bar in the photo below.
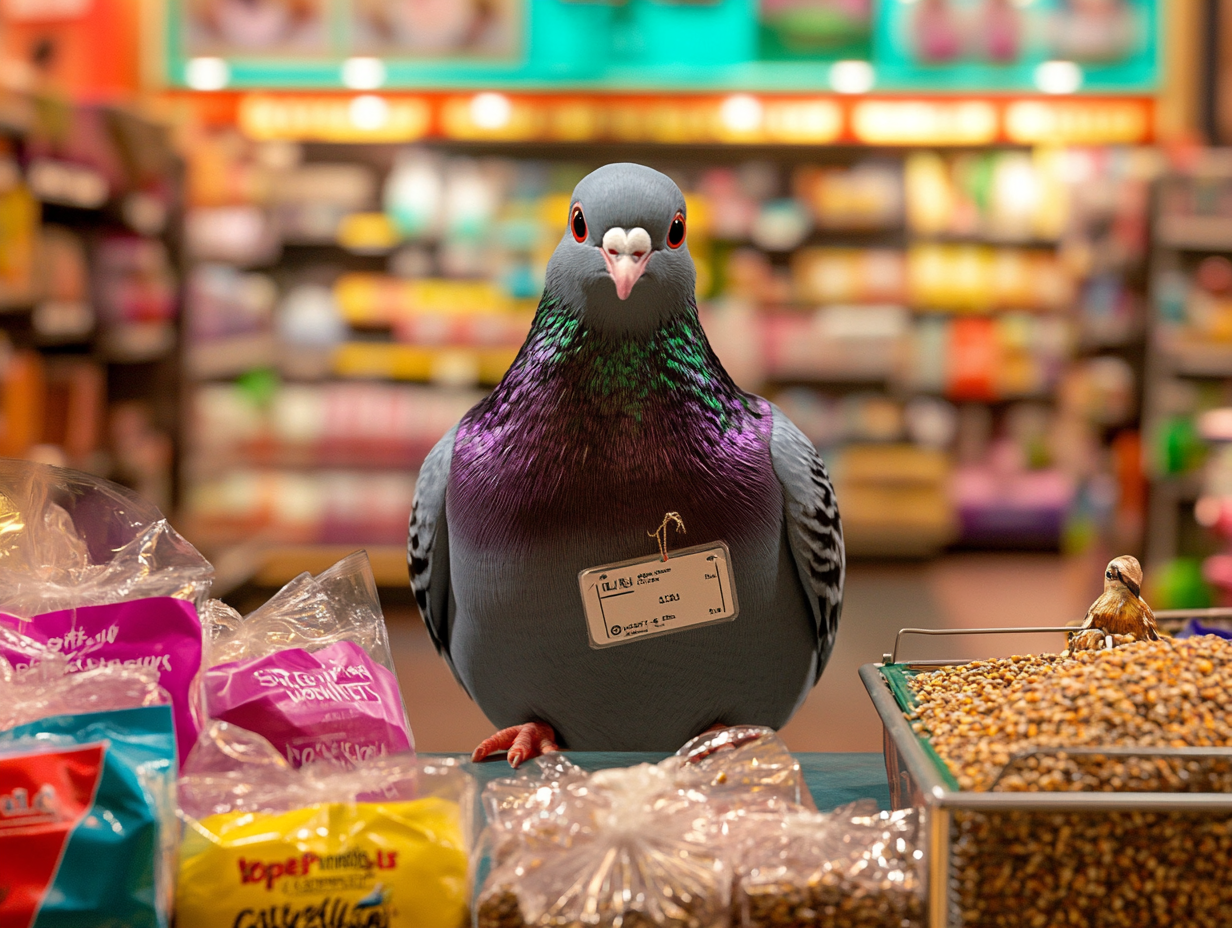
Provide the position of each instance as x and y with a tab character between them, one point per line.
427	549
814	529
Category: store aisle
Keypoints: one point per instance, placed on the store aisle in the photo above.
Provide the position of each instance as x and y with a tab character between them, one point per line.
967	590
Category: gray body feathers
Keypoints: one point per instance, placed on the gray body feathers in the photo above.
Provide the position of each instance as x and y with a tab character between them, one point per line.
513	630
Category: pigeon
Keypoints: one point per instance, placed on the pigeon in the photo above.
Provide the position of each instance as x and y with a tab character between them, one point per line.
614	417
1120	610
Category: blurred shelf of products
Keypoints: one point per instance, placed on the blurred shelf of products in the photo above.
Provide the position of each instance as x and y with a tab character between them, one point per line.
959	332
90	206
923	229
1189	368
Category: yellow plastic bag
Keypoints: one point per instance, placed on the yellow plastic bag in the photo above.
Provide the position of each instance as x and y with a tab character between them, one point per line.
331	865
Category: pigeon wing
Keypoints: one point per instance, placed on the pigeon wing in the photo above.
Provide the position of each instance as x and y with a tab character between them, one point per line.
814	530
427	547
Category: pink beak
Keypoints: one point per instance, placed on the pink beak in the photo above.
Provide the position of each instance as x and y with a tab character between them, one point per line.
626	254
625	271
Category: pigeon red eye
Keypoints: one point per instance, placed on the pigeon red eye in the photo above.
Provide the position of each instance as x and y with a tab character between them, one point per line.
675	232
577	223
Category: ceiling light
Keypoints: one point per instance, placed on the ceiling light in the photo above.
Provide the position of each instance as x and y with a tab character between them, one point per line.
207	73
851	76
369	112
741	113
363	73
1058	77
491	110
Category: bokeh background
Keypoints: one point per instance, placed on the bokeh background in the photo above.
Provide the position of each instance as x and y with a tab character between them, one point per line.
257	256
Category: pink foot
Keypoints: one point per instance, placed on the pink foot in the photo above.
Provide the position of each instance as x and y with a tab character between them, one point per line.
522	742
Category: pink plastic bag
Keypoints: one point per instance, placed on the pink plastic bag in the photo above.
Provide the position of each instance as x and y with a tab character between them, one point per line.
100	578
35	683
162	635
311	670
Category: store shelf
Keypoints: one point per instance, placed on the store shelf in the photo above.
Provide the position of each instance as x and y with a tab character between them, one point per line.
352	455
89	297
870	335
1189	360
278	565
1195	233
16	304
1180	488
1198	359
423	364
230	357
273	566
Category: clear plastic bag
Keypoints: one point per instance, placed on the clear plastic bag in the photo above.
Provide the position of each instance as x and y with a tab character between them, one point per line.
29	692
745	767
646	845
748	765
856	867
69	539
232	769
620	848
533	809
101	579
36	683
339	604
385	843
311	670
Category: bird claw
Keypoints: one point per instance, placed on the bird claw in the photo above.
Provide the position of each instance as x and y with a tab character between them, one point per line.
520	742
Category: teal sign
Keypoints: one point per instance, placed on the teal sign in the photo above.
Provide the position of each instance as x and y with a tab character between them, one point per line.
1053	45
663	46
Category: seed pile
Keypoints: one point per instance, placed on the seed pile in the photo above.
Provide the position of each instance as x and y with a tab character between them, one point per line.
643	882
855	868
500	908
1096	869
831	901
1161	694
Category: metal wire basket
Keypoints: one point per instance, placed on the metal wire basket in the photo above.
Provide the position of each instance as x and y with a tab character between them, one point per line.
967	829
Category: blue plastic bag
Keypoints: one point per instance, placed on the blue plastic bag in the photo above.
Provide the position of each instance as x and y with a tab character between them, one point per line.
87	820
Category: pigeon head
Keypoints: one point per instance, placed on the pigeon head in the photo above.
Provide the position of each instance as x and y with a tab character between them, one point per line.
1126	571
623	262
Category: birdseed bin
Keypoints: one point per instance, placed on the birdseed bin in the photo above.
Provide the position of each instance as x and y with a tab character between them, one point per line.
1052	834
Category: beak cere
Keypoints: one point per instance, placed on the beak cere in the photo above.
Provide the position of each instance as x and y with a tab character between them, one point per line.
626	255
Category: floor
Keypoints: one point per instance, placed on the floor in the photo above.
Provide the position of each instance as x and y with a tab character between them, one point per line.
956	591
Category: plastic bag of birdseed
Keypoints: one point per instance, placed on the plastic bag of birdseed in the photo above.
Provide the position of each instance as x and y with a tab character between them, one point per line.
87	819
650	845
100	578
743	767
853	866
266	845
311	670
625	846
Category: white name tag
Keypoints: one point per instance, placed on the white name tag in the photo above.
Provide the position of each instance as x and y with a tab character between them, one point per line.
649	596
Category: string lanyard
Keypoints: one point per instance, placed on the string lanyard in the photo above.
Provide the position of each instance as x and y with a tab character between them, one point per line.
660	534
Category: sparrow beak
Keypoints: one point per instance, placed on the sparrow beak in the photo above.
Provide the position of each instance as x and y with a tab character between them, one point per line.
626	255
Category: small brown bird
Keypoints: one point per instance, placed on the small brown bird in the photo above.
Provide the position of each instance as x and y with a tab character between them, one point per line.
1120	609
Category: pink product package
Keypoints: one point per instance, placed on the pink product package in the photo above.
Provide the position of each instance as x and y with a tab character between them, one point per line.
335	703
161	633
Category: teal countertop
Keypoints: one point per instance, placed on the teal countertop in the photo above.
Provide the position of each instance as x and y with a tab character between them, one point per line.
833	778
